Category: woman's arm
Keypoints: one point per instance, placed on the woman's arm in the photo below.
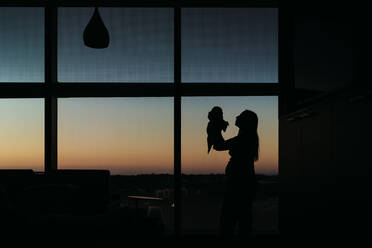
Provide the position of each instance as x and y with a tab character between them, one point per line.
223	145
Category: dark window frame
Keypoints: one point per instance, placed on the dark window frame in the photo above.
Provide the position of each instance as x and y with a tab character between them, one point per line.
51	89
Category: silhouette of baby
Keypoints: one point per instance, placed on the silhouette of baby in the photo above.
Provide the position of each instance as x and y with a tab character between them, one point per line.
215	125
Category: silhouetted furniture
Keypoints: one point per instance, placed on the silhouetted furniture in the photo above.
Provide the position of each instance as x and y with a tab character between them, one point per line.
90	188
137	198
12	183
78	191
73	202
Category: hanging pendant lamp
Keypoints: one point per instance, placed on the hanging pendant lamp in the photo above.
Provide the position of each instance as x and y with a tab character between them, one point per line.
96	34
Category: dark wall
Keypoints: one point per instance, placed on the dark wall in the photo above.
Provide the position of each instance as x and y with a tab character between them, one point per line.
324	57
325	168
324	151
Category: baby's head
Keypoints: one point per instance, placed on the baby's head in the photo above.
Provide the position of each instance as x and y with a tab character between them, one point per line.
215	114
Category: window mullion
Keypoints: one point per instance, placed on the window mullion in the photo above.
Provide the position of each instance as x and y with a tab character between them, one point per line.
177	119
50	83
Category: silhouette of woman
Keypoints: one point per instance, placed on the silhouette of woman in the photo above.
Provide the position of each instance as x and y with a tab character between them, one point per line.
240	175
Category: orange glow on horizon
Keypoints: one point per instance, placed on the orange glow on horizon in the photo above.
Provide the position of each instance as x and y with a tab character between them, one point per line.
130	135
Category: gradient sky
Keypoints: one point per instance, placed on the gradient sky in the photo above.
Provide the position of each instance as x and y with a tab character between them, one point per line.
22	134
135	135
127	135
130	135
140	49
218	45
230	45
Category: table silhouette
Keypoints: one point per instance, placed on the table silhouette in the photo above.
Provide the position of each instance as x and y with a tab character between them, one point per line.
136	198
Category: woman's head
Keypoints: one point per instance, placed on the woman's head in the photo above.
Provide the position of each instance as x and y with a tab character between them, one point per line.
247	121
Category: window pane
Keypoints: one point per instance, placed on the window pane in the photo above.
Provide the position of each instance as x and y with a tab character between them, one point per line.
140	49
21	44
204	178
22	134
131	137
230	45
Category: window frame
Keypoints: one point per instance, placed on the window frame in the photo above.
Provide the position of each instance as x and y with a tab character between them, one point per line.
51	89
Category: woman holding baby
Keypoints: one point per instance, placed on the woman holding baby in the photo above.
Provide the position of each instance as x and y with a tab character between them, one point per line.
240	175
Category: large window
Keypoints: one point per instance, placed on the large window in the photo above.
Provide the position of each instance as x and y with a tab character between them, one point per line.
137	108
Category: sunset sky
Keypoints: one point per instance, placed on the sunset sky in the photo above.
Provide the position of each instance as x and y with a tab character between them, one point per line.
194	122
135	135
22	134
130	135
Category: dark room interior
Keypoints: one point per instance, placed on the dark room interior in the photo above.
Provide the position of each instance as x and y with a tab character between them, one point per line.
173	59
